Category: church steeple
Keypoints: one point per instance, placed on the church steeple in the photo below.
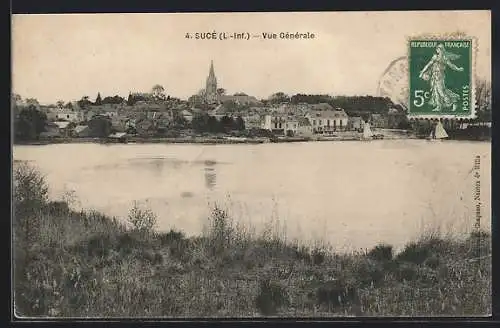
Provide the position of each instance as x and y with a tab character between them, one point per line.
211	85
212	71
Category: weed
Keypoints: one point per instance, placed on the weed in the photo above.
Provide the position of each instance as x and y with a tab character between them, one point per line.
272	296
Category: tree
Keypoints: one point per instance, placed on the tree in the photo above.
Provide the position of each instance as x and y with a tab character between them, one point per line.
227	123
158	91
32	102
196	100
212	125
221	92
99	126
115	100
239	123
130	100
69	105
230	105
84	102
16	99
98	99
60	104
179	121
30	123
483	100
279	97
200	123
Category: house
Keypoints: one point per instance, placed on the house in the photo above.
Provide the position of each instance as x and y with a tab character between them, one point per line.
219	112
118	136
81	131
58	128
280	123
110	111
274	121
305	128
355	123
62	125
252	121
291	126
162	122
50	111
89	114
379	121
145	127
328	121
322	107
188	115
152	114
69	115
120	123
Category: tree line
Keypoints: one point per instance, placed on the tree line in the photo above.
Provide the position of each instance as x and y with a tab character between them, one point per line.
351	104
208	123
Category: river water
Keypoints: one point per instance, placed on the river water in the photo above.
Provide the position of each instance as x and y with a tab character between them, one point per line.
349	194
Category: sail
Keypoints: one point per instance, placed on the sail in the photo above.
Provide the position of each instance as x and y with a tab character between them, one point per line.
440	132
367	132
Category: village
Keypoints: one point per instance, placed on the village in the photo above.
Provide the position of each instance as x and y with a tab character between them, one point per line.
211	115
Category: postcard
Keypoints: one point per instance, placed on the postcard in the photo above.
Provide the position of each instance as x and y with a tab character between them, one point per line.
252	165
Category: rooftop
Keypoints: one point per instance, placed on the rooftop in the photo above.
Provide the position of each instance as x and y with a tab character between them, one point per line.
330	114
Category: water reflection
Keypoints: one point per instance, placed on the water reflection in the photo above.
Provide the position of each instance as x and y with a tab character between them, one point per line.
314	189
210	174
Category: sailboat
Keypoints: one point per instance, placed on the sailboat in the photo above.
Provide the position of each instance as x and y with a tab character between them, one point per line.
367	132
438	133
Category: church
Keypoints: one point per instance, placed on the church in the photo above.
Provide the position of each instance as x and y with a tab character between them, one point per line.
211	96
211	86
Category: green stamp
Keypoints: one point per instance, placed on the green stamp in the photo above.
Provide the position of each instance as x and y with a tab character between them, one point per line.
441	78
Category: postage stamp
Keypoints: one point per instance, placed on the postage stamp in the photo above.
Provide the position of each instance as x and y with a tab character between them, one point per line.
441	77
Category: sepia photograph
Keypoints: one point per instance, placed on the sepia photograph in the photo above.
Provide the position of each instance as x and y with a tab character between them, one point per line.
251	165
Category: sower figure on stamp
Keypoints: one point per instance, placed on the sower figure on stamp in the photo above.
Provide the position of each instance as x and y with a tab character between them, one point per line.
441	97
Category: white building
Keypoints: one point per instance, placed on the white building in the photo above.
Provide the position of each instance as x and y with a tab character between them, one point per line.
281	123
328	121
274	121
291	126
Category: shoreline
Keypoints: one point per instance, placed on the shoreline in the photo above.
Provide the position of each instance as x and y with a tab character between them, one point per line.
214	141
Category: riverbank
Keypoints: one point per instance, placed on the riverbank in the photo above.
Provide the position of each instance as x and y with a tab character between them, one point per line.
382	134
200	140
85	264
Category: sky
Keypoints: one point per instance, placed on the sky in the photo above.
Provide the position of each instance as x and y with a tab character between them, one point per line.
67	56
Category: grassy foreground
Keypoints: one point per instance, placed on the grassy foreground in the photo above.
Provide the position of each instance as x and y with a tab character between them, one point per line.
84	264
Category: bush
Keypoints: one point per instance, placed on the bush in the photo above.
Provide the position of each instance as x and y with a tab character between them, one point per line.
272	296
414	253
30	189
142	220
221	232
335	293
381	253
170	237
